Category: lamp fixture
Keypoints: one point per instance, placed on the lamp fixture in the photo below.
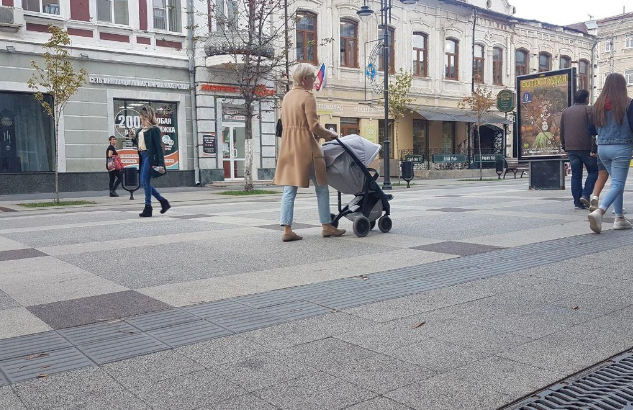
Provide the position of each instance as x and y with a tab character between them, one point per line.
10	49
365	12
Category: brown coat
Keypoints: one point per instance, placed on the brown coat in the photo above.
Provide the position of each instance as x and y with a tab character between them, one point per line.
299	148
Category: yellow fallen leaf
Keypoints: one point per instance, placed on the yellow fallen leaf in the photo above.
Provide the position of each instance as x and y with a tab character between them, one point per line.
418	325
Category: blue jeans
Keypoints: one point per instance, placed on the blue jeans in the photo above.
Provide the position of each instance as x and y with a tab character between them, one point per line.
146	180
577	159
616	159
288	203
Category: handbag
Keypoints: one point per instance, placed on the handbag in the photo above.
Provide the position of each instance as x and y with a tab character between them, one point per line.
156	173
118	165
279	128
110	164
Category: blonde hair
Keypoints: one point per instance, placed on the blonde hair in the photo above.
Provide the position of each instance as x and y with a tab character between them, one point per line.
150	113
301	71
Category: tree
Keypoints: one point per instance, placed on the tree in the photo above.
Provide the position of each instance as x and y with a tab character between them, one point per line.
250	33
59	79
399	99
480	102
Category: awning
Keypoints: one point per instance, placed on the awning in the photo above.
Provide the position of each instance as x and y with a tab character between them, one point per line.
459	115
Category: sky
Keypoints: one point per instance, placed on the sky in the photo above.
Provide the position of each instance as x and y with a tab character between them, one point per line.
563	12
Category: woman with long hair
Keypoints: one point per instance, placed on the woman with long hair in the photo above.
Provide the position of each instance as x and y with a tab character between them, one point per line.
150	151
613	118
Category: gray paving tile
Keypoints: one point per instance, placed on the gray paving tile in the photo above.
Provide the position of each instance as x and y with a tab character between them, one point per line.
452	210
296	310
277	227
189	391
457	248
230	349
437	355
9	400
20	254
75	312
44	364
3	380
247	401
111	350
382	337
188	333
7	302
218	308
194	216
318	391
379	403
265	299
163	318
32	344
95	332
243	322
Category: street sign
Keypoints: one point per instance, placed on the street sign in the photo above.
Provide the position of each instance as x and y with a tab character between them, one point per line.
414	158
488	157
449	158
505	101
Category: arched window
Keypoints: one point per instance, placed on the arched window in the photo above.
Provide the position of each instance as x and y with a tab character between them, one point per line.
565	62
349	43
521	65
478	63
497	66
451	59
307	37
420	54
544	61
391	34
583	75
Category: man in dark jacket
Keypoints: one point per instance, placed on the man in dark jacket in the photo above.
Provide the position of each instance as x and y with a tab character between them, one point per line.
576	141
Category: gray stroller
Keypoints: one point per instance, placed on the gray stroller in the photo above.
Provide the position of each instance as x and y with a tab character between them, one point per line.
346	161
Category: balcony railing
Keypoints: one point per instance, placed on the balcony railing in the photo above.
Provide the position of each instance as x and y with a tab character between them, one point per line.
227	42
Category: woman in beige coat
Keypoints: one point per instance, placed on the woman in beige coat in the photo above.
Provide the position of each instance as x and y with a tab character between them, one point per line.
300	157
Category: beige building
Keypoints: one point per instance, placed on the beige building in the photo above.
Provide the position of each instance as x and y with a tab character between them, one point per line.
614	51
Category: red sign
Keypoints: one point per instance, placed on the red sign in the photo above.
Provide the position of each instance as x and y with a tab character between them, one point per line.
260	90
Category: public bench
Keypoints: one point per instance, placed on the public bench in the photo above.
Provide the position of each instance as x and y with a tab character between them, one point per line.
513	165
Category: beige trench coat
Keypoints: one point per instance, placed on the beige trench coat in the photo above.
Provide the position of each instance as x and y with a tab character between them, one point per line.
299	148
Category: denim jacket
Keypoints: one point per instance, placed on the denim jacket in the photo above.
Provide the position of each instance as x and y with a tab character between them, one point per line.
614	133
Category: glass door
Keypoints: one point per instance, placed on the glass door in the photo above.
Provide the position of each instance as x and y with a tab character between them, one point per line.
234	150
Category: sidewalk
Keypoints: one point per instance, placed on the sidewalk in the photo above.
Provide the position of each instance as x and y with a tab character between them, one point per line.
483	293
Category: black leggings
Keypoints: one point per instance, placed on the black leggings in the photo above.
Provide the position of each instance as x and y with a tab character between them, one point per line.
116	174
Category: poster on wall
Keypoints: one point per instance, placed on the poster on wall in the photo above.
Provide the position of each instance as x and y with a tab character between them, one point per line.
127	120
542	99
209	145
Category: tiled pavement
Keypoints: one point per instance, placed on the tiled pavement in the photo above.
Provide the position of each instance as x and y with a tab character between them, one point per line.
481	294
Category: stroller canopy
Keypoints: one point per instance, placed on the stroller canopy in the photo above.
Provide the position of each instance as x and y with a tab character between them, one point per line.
365	150
343	173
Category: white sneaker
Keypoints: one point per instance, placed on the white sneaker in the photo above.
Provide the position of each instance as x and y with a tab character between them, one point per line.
593	204
595	221
623	211
621	224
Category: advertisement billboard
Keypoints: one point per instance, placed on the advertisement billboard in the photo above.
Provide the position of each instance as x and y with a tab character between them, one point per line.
542	99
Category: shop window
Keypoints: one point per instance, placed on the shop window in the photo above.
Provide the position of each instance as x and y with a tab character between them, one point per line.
420	137
544	62
349	43
167	15
521	62
112	11
391	34
349	126
381	137
27	136
126	117
420	54
451	59
478	64
307	37
42	6
497	66
583	75
448	137
565	62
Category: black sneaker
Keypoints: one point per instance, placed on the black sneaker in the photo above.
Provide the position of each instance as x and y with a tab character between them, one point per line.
580	207
585	201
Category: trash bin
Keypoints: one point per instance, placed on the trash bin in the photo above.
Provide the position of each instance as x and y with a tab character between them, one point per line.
499	167
407	171
131	181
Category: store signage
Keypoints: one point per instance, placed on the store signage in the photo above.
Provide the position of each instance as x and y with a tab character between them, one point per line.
260	90
488	158
135	82
209	145
414	158
449	159
505	101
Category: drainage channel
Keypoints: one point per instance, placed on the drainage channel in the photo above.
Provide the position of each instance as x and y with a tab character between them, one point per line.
607	386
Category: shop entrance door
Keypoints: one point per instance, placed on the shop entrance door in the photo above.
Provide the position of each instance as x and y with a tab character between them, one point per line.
234	142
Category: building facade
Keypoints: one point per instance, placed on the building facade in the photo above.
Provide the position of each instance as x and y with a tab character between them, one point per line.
614	51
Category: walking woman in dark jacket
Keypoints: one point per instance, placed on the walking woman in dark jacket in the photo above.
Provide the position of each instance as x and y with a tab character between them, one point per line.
115	174
149	143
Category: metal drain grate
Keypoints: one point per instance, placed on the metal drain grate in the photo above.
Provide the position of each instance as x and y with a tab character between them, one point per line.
608	388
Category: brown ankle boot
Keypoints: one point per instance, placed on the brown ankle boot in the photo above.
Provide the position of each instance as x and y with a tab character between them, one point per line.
289	237
331	231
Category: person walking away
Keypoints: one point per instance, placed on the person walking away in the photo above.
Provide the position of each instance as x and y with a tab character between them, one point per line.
577	142
612	118
149	144
115	174
300	156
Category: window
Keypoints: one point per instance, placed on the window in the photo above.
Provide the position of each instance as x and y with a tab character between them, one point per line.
28	137
544	62
41	6
628	43
583	75
349	44
478	64
608	46
167	15
629	77
565	62
307	37
349	126
448	137
226	14
497	66
451	59
420	55
390	38
521	65
420	137
112	11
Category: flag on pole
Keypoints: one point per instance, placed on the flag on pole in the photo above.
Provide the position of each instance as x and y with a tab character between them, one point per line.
322	77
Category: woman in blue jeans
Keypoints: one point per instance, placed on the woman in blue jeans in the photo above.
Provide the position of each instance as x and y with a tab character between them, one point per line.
150	150
613	117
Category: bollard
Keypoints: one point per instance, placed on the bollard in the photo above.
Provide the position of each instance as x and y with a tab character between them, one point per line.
131	180
407	171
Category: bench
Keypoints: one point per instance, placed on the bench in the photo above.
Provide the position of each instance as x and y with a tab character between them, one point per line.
512	164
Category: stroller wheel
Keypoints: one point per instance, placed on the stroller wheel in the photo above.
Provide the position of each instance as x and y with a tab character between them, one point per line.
334	223
384	224
372	225
361	226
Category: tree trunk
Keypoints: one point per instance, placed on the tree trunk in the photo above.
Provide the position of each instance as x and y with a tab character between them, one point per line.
481	169
57	159
248	147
